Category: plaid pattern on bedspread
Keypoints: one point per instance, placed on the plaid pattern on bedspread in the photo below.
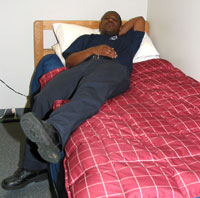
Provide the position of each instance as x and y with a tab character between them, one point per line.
143	143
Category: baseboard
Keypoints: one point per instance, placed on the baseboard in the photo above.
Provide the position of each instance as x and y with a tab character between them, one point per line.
12	115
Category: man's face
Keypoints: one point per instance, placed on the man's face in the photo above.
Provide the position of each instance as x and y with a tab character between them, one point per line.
110	23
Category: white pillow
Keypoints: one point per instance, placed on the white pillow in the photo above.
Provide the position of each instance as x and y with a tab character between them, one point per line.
67	33
146	51
58	52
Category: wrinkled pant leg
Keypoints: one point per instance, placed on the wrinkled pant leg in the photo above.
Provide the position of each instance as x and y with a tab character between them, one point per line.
90	85
67	79
32	160
104	79
61	87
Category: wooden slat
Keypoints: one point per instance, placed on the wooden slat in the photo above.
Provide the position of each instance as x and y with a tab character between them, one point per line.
38	41
47	25
147	27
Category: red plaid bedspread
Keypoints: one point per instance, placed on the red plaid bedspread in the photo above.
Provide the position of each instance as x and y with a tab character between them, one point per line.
143	143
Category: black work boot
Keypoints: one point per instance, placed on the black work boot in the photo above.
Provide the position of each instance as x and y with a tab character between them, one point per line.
44	135
23	177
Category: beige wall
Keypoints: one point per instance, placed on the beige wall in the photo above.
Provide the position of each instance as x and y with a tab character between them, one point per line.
16	35
175	30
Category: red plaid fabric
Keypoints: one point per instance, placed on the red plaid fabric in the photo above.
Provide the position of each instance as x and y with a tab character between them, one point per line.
143	143
50	75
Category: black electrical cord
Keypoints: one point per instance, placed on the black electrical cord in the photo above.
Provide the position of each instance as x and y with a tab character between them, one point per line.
12	88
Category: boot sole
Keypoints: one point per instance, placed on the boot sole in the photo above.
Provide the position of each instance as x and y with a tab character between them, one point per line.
35	131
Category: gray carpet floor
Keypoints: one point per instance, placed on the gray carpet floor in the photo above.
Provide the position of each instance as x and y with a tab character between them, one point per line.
11	150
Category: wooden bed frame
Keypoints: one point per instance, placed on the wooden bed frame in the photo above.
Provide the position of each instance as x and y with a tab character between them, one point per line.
40	26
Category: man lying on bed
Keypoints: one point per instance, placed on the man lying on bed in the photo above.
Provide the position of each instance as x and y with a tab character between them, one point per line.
100	67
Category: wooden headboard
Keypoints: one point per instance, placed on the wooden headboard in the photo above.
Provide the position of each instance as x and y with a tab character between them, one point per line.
40	26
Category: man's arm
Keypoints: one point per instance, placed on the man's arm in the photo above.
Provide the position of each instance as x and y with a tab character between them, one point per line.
78	57
137	23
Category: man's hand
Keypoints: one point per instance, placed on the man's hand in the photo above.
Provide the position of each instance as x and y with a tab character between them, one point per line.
78	57
104	50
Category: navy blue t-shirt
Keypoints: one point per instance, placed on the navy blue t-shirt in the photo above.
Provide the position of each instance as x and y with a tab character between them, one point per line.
125	46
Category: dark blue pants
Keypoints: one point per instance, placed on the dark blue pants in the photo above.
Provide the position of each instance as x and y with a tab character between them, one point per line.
88	86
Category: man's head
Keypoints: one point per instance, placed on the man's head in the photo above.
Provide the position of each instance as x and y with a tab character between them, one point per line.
110	23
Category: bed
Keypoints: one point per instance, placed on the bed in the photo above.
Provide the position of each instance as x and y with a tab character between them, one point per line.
143	143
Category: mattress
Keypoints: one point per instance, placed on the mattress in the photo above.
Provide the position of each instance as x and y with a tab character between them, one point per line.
143	143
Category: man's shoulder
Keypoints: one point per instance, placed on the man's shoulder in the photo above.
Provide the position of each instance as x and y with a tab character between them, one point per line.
89	35
86	37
